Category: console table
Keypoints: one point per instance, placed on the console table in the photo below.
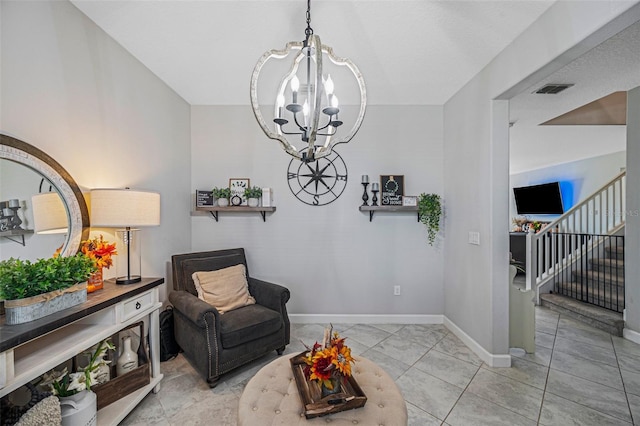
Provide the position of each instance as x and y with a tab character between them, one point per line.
31	349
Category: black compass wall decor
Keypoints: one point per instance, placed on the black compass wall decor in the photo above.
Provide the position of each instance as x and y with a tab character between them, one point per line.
319	182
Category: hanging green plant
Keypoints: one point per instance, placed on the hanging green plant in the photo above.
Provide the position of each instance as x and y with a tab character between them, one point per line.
430	211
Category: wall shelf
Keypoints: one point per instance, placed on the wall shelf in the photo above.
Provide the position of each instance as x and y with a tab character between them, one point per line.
236	209
373	209
16	235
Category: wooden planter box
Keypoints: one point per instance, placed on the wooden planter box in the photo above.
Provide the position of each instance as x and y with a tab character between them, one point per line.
20	311
121	386
310	395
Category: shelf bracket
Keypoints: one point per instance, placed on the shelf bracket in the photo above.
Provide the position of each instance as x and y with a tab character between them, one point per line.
370	215
22	243
214	215
418	216
264	215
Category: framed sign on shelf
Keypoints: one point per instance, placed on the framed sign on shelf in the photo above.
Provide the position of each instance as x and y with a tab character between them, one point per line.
410	200
237	187
204	198
391	190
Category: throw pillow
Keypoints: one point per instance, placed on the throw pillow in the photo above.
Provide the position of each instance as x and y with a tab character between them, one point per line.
225	289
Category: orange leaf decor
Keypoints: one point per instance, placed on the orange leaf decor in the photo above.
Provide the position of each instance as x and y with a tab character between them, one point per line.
100	251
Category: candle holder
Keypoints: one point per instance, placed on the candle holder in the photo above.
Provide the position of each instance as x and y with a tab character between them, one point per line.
365	196
374	200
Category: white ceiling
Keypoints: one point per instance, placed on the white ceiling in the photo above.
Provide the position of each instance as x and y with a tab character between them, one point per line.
411	52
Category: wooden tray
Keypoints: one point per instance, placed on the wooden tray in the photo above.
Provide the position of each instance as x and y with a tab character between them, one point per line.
121	386
314	404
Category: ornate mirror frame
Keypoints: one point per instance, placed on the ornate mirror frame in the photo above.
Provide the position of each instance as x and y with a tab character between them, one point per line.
21	152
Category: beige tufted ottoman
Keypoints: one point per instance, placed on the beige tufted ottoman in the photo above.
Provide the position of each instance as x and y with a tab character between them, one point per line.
271	398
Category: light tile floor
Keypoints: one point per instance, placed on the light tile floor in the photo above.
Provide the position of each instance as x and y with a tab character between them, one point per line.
578	376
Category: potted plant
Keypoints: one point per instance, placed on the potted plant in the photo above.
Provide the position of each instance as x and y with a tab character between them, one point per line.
33	290
253	196
222	196
430	212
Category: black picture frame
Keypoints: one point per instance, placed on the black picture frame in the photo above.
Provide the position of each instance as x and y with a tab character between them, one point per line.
204	198
391	190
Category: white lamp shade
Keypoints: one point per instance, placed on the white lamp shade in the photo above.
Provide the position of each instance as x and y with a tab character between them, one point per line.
119	208
49	214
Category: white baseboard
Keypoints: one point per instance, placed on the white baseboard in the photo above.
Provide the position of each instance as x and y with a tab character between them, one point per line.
364	319
629	334
489	358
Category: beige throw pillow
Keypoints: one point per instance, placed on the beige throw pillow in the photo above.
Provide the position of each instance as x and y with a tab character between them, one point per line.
225	289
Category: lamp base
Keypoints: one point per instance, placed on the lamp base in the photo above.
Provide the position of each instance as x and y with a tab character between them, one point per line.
129	280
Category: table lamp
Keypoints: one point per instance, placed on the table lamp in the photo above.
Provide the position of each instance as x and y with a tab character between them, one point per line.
49	214
128	209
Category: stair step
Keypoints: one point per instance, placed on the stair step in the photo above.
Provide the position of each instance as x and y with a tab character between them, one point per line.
615	252
607	264
598	278
600	318
611	297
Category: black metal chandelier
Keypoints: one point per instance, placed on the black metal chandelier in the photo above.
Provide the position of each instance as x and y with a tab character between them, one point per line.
307	119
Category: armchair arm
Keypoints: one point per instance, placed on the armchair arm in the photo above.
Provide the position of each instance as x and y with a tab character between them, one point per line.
192	308
273	296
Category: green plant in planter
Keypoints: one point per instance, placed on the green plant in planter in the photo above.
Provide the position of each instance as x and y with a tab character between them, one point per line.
221	192
254	192
20	279
430	212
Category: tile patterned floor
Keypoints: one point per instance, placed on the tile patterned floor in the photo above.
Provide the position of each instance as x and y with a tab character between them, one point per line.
578	376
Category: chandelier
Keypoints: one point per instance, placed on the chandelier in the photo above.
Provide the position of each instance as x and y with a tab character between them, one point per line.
307	117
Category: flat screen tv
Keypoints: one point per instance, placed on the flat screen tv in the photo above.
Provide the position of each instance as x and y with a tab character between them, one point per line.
539	199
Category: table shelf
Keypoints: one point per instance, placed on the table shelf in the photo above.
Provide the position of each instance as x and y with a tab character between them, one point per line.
16	235
237	209
373	209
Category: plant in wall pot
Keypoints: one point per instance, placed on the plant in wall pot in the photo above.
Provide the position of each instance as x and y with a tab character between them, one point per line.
222	196
430	212
33	290
253	196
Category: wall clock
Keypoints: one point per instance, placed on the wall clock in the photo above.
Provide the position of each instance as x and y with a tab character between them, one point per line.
318	182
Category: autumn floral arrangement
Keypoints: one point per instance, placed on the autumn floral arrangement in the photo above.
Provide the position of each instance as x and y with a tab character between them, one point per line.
329	362
62	383
100	251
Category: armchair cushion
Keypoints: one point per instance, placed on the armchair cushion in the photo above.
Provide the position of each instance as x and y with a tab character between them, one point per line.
242	325
225	289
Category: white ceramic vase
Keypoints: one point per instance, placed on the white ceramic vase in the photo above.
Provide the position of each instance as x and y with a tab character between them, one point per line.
128	359
79	409
223	202
253	202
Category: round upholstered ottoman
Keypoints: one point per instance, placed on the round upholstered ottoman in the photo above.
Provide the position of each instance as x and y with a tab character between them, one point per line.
271	398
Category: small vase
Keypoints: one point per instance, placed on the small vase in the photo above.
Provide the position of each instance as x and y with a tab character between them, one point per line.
79	409
253	202
335	383
103	373
128	359
223	202
95	281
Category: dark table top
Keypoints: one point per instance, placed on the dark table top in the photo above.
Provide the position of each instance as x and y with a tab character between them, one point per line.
112	293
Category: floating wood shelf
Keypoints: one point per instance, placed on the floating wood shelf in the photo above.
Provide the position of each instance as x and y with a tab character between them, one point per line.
14	234
236	209
373	209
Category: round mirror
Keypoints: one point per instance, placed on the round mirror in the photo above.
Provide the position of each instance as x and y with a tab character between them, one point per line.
44	204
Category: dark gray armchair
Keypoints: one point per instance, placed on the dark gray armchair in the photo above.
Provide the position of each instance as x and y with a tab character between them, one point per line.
215	343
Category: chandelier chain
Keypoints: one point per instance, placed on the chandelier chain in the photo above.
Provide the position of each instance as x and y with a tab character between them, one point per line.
309	31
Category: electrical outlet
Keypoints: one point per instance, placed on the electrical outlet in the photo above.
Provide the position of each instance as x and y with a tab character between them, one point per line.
396	290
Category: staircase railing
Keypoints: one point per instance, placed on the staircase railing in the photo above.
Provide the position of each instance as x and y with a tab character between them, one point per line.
602	213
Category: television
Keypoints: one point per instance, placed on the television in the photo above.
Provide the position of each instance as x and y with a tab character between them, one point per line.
539	199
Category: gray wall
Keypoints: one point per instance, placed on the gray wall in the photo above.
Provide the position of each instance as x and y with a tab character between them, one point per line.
72	91
632	228
331	257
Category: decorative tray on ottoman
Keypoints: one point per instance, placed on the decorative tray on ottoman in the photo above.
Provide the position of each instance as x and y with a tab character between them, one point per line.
349	397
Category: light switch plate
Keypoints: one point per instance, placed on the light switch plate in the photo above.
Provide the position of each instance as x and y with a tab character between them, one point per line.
474	238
